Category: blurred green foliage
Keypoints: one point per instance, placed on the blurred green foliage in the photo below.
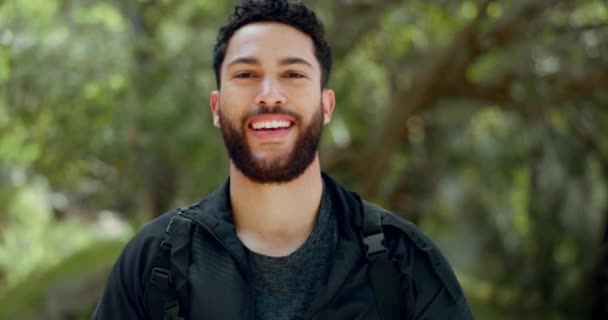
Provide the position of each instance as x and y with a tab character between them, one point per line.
482	121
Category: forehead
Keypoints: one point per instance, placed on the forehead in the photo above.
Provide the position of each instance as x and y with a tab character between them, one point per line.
270	41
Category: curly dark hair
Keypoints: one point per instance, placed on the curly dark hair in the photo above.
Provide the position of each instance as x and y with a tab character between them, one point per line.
290	12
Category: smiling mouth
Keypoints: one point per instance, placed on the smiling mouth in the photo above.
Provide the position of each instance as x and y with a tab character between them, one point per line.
271	125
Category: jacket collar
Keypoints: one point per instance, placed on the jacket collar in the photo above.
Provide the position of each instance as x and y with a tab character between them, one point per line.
216	209
214	214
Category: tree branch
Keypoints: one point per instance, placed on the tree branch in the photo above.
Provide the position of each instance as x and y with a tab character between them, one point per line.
450	63
353	21
581	28
559	88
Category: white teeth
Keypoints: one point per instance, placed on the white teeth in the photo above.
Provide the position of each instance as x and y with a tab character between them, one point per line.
270	124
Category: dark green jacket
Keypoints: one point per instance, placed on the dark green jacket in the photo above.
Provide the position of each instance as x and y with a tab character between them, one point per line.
220	287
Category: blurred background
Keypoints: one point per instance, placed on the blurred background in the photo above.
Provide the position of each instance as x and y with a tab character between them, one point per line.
484	122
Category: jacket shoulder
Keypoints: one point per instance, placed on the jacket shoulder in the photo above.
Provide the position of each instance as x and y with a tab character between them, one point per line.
138	255
147	240
124	294
420	239
428	274
417	253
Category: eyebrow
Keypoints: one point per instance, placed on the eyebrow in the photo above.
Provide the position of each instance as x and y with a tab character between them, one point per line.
294	60
282	62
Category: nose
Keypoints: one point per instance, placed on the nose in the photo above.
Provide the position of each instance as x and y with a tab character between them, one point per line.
270	94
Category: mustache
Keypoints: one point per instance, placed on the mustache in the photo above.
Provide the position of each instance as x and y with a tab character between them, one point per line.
273	110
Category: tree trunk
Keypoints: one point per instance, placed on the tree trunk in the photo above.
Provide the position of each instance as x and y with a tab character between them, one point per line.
156	167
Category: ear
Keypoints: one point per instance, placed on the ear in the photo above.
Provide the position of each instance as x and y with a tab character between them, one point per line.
328	102
214	102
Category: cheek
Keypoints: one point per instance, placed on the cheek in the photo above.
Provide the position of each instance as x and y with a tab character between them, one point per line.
310	101
240	91
232	102
304	96
236	99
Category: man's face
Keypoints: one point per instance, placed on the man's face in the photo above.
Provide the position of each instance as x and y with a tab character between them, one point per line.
271	108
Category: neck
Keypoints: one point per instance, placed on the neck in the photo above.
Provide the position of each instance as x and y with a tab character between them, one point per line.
275	219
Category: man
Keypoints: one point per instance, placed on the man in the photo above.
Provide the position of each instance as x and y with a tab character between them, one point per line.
279	239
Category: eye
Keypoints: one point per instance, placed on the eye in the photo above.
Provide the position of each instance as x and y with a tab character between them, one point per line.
244	75
294	75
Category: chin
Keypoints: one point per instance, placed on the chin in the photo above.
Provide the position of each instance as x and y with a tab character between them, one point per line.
272	156
268	163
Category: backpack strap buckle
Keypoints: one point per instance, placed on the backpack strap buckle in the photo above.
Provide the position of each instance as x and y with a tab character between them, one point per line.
372	234
161	278
384	276
374	244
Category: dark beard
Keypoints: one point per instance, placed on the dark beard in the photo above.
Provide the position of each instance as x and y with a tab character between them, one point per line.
280	170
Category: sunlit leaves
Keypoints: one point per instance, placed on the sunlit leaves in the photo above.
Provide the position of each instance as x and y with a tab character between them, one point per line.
34	242
4	66
495	10
485	68
419	26
590	12
468	10
519	198
33	14
100	13
15	147
490	129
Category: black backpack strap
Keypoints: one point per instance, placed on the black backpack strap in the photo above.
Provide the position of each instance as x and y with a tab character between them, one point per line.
169	274
384	276
180	234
